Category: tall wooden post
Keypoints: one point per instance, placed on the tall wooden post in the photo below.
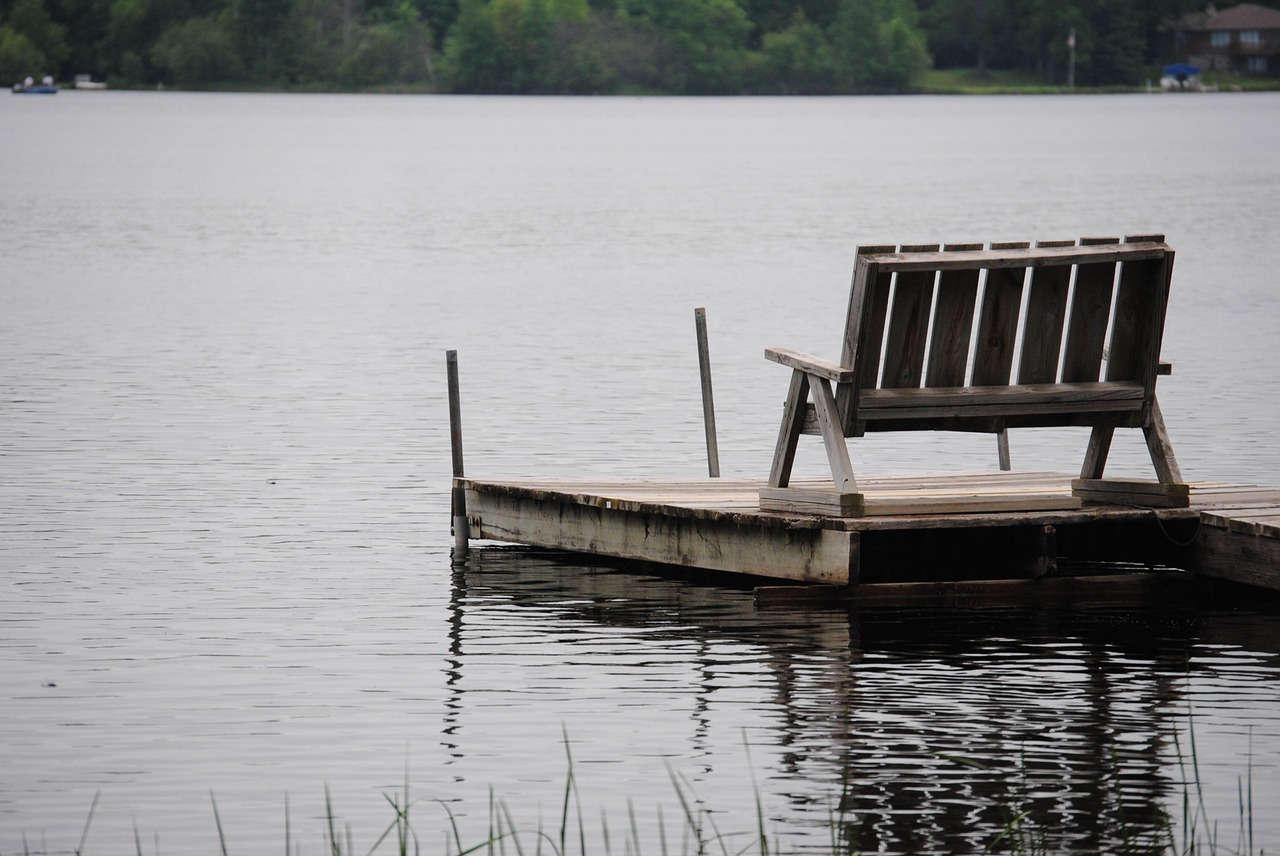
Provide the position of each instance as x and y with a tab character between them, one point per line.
708	403
458	497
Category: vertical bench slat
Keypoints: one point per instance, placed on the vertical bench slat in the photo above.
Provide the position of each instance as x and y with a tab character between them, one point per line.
952	324
908	324
869	297
1090	312
1045	319
876	307
1135	331
998	323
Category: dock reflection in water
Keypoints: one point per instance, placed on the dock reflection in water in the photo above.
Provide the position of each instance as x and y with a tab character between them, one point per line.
937	727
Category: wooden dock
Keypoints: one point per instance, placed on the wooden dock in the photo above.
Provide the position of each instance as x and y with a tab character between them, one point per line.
938	337
916	528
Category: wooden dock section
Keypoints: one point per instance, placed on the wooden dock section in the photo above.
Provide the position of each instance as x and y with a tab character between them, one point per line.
916	528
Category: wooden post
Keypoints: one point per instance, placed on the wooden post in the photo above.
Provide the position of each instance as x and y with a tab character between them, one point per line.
1002	449
708	403
458	497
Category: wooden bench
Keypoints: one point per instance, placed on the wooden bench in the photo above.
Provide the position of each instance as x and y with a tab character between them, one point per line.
962	338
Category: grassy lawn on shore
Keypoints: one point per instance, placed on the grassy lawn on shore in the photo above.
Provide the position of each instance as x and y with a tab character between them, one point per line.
970	81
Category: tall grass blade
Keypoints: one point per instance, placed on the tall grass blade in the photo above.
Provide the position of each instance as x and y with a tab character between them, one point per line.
84	833
761	835
634	848
511	828
335	843
571	796
453	826
1249	773
691	824
395	806
217	819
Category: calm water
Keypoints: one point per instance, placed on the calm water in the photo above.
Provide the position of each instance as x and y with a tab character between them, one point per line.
224	466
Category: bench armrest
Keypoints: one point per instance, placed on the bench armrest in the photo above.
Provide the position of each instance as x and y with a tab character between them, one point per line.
810	364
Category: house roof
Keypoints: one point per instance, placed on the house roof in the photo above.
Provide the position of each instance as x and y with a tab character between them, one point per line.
1246	16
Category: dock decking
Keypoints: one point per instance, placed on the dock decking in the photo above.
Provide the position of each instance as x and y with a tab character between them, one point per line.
915	527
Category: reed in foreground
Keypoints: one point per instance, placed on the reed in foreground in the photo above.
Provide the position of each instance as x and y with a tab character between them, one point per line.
1186	831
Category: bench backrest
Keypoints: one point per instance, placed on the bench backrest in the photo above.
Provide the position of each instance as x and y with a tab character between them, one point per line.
1010	314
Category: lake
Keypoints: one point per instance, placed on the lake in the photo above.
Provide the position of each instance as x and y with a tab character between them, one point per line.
224	470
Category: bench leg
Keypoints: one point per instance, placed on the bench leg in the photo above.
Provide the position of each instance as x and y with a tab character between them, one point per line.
1160	448
1168	492
1002	449
824	402
1095	458
784	454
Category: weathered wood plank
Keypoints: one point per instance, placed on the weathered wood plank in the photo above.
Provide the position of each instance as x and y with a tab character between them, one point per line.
806	555
1117	491
1141	297
1260	520
1045	319
1159	446
828	502
784	452
1090	251
996	401
890	503
1090	314
998	324
824	402
953	323
1232	495
908	324
1095	455
864	329
1226	555
811	364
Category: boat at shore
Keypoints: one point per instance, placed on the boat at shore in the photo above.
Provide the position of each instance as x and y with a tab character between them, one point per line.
30	87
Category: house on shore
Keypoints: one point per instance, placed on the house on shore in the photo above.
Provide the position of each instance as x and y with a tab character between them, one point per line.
1244	39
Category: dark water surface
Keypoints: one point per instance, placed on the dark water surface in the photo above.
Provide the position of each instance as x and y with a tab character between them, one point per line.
224	548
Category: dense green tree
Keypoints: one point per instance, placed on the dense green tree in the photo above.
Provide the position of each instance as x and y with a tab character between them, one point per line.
86	32
1117	57
777	16
264	37
877	46
526	46
133	28
199	53
701	44
798	59
19	56
396	49
972	33
32	43
438	15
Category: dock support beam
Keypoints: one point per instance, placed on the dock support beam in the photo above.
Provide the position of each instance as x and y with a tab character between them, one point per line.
708	403
458	496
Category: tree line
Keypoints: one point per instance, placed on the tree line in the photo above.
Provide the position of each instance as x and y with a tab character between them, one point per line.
579	46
